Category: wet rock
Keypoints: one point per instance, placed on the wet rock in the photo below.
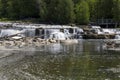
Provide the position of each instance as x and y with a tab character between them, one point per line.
22	44
1	43
7	43
37	44
43	42
11	43
28	40
40	40
17	43
47	41
52	41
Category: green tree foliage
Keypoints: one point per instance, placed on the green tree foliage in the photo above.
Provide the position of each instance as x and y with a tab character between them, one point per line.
13	9
61	11
104	9
28	8
19	9
82	12
92	8
43	12
3	8
116	10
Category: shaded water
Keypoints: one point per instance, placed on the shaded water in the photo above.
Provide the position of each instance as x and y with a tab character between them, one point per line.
84	61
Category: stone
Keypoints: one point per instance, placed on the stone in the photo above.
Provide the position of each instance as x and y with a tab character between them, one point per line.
52	41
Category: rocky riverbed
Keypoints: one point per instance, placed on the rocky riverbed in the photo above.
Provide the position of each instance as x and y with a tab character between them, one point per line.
27	41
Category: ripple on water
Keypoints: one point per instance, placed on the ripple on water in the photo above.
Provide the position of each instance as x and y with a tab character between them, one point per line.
65	62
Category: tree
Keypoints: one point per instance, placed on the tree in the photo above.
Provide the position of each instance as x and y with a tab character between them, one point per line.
116	10
20	9
3	8
82	12
28	9
13	9
92	10
42	9
61	11
104	9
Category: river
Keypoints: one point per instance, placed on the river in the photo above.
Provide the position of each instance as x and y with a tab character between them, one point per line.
84	61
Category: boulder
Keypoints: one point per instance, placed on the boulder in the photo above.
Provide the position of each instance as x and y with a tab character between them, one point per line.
52	41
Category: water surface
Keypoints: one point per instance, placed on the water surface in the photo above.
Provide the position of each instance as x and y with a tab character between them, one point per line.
84	61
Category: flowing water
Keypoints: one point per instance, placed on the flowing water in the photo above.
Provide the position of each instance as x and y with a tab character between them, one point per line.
84	61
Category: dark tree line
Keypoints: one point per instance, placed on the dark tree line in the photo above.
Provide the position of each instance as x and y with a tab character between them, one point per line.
61	11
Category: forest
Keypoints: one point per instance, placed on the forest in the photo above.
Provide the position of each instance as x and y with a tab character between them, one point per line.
61	11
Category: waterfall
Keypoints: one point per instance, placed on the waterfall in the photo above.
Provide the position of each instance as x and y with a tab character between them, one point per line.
29	32
58	36
8	32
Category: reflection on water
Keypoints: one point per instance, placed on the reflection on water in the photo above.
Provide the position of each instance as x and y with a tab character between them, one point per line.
84	61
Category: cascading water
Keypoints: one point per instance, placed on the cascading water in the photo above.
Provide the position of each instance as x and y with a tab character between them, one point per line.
29	32
8	32
58	36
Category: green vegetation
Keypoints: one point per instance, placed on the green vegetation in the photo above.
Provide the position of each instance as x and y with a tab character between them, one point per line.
82	12
60	11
